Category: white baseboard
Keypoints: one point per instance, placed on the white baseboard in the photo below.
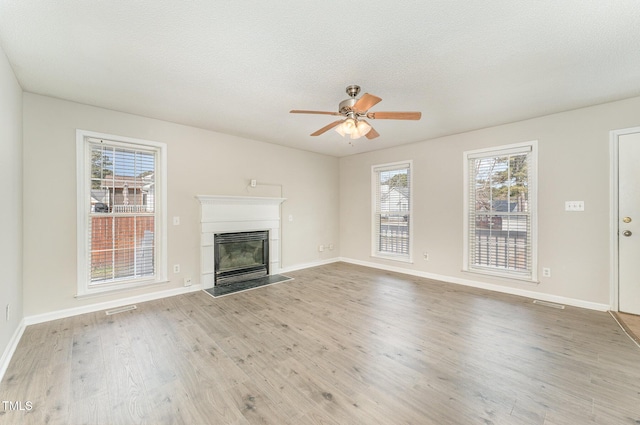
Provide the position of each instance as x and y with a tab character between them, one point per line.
309	265
61	314
483	285
11	348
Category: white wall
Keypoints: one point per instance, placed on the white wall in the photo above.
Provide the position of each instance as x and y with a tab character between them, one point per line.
200	163
573	166
10	202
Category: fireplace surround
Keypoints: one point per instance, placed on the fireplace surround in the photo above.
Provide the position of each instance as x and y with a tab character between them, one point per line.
222	215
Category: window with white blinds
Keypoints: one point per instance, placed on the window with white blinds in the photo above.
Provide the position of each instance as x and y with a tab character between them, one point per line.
391	231
500	211
121	197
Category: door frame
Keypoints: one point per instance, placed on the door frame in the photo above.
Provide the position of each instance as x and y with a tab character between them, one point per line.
614	277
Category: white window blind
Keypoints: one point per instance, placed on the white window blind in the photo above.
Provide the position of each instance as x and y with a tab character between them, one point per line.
122	225
121	240
392	210
500	236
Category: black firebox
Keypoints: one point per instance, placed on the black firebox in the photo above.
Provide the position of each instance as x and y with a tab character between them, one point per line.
241	256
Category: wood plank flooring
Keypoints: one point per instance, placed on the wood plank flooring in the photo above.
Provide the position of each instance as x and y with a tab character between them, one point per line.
340	344
631	324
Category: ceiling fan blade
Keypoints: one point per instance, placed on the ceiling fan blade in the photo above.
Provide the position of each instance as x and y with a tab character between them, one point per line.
297	111
394	115
327	127
366	102
371	134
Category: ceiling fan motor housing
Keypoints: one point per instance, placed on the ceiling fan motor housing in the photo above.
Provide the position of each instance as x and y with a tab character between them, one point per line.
346	106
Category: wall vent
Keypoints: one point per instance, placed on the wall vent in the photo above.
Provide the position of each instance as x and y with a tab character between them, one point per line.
120	309
549	304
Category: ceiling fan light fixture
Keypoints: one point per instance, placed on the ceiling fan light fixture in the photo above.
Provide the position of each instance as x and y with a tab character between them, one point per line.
354	128
363	128
349	126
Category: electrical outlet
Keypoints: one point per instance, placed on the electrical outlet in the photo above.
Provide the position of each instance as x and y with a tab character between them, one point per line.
176	268
187	281
253	183
425	255
321	248
330	247
574	206
546	272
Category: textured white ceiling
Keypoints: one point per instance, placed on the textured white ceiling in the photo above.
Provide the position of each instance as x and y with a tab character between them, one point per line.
238	67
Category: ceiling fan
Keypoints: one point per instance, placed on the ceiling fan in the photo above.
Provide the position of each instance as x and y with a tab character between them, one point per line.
355	110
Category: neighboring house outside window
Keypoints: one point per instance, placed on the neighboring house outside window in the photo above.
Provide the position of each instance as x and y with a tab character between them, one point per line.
121	212
391	233
500	211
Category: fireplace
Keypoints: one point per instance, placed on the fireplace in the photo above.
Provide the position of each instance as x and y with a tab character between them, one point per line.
222	215
240	256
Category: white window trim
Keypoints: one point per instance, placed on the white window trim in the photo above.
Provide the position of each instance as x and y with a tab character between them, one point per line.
533	197
83	209
374	252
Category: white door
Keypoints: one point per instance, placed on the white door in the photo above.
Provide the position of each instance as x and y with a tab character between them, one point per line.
629	223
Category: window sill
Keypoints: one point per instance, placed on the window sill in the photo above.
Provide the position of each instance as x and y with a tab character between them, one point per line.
117	287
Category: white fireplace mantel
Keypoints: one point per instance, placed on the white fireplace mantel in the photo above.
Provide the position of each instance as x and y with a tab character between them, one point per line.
224	214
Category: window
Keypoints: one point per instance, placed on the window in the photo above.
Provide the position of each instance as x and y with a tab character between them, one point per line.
121	212
500	205
392	211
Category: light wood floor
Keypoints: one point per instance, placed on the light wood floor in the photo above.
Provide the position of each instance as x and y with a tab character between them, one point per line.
631	324
340	344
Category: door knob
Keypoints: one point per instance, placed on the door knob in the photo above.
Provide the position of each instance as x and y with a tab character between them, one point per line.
627	233
627	219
